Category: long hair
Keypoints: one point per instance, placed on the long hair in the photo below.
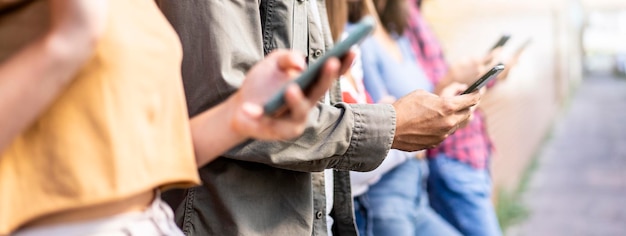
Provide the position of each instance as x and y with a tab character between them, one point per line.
357	10
393	15
337	11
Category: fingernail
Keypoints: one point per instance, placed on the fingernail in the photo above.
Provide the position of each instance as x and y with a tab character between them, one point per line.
299	61
252	110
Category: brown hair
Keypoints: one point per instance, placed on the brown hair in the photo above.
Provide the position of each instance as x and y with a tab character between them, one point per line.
337	11
356	10
393	14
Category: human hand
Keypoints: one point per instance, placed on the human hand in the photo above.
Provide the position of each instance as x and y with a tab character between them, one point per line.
466	71
455	89
423	120
263	81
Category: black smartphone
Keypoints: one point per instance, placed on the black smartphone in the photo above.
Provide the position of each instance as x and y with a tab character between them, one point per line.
357	33
490	75
501	42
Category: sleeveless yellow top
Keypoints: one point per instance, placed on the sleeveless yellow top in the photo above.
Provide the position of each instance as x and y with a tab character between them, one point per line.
119	129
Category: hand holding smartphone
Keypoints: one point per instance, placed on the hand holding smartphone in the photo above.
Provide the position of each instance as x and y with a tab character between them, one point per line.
358	32
482	81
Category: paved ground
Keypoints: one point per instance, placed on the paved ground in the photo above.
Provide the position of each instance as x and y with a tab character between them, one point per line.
579	187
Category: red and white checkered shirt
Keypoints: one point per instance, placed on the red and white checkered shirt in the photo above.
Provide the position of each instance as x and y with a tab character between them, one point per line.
470	144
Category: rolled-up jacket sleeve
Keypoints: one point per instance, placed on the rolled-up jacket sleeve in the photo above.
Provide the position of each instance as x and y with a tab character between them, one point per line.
344	137
221	41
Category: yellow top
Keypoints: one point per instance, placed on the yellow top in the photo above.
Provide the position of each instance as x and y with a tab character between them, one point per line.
119	129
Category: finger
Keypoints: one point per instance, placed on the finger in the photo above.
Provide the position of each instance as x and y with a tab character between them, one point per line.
482	91
464	123
297	103
289	60
453	89
464	102
347	61
464	117
330	72
247	118
286	129
251	110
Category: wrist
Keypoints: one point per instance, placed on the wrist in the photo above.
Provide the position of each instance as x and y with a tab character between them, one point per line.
212	131
231	109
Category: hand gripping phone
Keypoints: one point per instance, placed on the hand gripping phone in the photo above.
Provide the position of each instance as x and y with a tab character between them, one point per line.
490	75
357	33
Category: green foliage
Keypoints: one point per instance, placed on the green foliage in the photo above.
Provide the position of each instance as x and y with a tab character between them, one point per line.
510	208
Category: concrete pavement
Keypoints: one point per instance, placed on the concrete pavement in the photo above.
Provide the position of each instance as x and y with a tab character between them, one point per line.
579	187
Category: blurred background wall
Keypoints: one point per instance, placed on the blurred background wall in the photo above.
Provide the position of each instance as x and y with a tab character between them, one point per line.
569	38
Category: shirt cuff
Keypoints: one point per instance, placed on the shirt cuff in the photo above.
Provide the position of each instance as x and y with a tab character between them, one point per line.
373	132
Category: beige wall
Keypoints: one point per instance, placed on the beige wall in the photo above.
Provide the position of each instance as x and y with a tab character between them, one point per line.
520	110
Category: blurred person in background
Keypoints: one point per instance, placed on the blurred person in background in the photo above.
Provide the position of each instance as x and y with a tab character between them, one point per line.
294	179
93	120
392	199
353	92
459	184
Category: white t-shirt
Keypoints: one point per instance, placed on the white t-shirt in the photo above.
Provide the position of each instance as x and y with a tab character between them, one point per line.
361	181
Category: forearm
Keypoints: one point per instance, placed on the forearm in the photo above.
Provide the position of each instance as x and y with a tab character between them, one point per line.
214	66
34	77
345	137
212	132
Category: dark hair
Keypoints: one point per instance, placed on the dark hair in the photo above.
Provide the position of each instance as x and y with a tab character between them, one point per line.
337	11
394	15
419	3
356	11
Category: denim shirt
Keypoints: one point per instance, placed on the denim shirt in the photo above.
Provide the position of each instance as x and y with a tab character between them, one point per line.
261	187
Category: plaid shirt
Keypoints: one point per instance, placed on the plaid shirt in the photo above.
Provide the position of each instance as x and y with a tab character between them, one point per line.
470	144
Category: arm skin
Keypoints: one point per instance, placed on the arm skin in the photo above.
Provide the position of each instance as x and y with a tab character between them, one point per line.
241	117
218	53
31	79
34	76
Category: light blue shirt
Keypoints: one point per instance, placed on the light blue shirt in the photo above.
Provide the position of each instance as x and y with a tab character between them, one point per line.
385	75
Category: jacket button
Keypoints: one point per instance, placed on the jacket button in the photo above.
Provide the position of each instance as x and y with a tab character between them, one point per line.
319	215
317	53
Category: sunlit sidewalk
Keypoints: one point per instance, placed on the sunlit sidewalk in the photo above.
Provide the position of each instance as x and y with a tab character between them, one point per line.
579	187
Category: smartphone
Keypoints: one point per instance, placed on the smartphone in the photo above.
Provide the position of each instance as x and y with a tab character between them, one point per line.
501	42
357	33
490	75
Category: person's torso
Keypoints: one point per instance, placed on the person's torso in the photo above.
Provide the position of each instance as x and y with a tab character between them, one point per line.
267	200
118	129
399	77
